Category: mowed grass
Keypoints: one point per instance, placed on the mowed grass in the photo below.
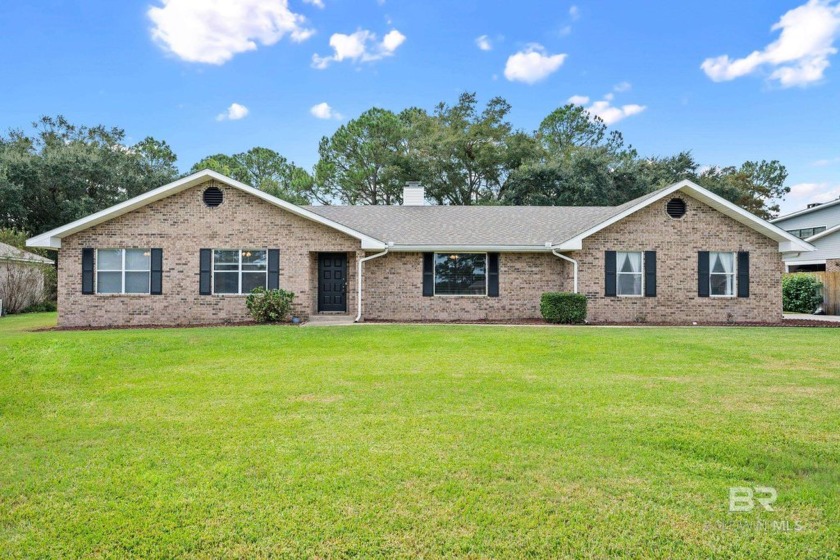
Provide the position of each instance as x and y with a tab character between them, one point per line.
417	441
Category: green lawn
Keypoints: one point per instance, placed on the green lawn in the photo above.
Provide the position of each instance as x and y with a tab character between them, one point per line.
417	441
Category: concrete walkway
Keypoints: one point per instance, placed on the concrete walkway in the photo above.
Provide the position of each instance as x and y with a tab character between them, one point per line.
329	321
809	317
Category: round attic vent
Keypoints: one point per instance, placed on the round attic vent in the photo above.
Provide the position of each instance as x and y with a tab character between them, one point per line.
675	208
213	196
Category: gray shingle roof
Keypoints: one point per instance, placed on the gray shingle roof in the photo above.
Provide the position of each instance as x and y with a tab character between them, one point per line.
7	252
472	225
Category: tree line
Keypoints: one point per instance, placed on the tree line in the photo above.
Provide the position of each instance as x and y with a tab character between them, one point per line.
463	153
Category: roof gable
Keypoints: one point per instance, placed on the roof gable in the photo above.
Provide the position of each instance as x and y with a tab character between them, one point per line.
52	238
787	243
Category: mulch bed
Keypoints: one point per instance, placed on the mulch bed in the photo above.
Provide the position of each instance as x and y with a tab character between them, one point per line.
533	322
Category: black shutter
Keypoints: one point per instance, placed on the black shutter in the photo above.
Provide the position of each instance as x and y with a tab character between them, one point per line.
650	273
157	272
493	274
87	271
428	274
609	274
703	274
205	271
743	274
273	269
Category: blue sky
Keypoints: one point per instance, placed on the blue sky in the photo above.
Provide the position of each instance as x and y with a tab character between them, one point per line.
728	80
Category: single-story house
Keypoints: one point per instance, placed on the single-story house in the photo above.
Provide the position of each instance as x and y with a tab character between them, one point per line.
819	225
188	253
21	278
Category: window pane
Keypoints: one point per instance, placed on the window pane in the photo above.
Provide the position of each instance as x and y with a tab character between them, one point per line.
137	282
819	230
251	280
109	282
226	260
109	259
460	274
226	283
722	284
254	260
629	262
138	259
630	284
722	262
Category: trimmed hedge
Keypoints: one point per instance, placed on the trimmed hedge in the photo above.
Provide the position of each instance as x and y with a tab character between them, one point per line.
801	293
563	307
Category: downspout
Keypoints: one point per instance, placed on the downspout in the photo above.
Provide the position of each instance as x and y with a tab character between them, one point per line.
571	260
359	279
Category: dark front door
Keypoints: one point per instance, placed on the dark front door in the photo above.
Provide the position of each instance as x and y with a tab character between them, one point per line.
332	282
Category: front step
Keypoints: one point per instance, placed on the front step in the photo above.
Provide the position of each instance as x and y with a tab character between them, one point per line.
328	320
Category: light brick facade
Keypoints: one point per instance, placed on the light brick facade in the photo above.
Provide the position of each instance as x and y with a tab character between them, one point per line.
677	242
181	225
393	290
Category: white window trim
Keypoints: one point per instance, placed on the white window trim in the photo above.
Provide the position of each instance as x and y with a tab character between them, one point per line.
618	275
734	275
239	271
122	271
486	275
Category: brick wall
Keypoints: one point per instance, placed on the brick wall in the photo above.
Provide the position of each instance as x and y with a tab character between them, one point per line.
181	225
393	289
676	242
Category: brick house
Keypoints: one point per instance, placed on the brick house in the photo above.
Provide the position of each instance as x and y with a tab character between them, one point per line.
188	253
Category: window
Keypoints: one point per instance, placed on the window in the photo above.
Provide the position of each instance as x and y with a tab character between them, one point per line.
460	274
123	271
628	274
722	274
238	271
805	233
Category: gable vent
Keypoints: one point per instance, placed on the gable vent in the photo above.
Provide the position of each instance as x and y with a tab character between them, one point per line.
675	208
213	196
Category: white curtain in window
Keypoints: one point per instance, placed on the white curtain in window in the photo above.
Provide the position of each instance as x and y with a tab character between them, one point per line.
629	268
722	274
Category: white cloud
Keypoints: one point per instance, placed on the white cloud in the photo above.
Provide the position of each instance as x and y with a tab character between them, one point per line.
798	57
578	100
574	13
622	87
213	31
604	108
815	192
484	43
532	64
825	162
324	111
360	46
316	3
233	113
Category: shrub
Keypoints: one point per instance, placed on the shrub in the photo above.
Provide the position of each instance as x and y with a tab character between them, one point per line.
45	306
563	307
269	306
801	293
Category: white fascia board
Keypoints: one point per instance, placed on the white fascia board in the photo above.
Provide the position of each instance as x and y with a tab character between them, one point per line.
795	262
52	238
470	249
787	242
822	206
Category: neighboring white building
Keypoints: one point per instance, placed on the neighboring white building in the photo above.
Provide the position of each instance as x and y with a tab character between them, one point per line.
819	225
21	278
